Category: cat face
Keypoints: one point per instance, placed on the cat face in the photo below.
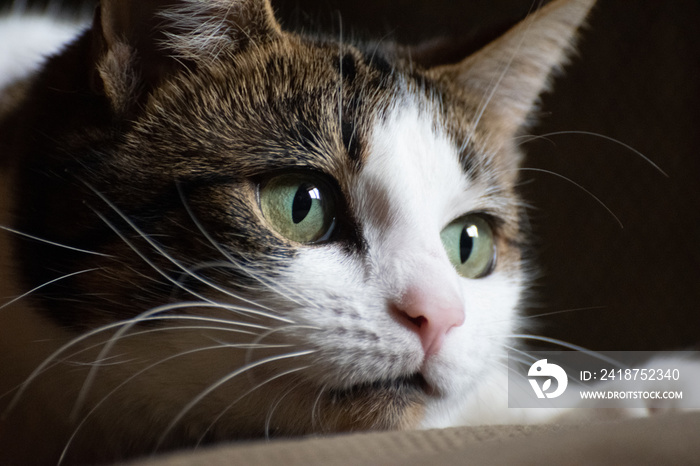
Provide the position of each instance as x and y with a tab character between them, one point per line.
277	235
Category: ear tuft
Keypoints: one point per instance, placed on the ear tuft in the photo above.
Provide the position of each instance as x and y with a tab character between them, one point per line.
199	31
510	73
140	43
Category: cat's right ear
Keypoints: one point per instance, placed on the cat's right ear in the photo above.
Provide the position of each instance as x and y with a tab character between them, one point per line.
139	43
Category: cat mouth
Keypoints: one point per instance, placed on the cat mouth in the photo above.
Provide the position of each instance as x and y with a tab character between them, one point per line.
408	386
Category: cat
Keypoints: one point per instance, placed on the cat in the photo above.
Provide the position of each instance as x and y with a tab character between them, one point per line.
214	229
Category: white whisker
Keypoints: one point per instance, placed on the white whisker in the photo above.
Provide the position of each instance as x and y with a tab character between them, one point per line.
528	360
340	73
601	136
232	263
132	377
144	318
570	346
564	311
262	336
273	408
70	358
221	382
596	198
52	243
316	419
164	254
121	325
177	283
160	250
248	392
33	290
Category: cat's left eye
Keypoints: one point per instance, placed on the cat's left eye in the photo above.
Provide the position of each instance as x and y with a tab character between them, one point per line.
299	207
470	245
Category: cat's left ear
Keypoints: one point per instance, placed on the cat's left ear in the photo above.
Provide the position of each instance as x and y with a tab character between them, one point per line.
139	43
505	78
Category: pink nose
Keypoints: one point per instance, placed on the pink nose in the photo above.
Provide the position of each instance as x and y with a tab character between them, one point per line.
431	314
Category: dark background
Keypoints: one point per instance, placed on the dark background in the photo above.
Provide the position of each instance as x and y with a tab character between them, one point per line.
636	80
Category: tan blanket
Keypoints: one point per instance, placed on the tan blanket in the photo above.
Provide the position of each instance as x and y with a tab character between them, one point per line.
662	440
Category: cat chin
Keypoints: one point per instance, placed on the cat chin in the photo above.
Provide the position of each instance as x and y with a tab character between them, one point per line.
391	404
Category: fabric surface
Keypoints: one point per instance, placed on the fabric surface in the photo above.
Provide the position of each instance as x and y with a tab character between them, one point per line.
663	439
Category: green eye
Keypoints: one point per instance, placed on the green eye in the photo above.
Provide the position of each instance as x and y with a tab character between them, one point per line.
299	207
470	245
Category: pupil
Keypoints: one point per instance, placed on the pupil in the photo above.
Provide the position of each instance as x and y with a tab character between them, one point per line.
466	244
301	205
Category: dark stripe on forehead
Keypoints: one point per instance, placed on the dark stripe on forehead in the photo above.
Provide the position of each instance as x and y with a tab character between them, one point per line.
304	136
377	61
361	70
349	129
467	159
347	68
350	140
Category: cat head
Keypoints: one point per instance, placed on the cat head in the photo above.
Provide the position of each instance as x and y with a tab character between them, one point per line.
278	234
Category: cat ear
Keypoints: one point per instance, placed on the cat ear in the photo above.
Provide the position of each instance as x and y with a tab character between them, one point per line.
138	43
504	79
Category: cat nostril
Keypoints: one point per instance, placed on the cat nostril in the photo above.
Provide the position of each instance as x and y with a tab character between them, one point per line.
431	322
416	321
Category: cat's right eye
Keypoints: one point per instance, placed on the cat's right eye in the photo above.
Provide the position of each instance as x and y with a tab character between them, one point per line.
470	245
300	207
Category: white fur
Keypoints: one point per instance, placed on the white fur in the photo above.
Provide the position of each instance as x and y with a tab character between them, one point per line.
27	39
411	187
